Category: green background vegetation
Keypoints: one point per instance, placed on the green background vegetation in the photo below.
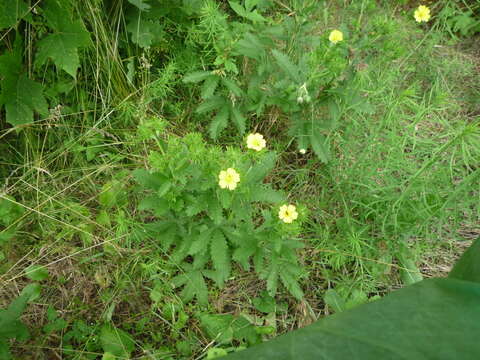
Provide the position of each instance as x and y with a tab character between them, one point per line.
98	103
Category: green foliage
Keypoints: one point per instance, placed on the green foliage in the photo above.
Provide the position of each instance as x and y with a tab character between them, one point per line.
443	308
68	36
20	95
11	11
11	326
209	226
116	342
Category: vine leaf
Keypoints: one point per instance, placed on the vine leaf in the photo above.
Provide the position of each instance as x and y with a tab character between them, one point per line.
20	95
62	45
10	12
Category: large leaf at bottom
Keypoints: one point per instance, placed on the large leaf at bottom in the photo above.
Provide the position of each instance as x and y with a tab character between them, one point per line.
432	319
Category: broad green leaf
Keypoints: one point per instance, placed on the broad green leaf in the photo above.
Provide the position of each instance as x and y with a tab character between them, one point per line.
287	66
142	5
68	36
431	319
116	341
220	256
219	122
468	267
21	97
36	272
11	11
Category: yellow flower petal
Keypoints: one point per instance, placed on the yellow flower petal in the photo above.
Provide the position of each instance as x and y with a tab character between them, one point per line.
228	179
422	13
288	213
335	36
256	142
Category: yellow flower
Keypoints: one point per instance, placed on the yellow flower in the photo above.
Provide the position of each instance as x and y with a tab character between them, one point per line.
335	36
228	179
288	213
422	13
256	142
302	151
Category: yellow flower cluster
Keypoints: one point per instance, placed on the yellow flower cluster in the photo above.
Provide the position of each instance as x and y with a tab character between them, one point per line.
229	179
422	14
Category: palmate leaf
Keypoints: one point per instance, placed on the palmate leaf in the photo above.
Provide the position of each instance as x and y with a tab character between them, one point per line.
68	36
20	95
194	286
11	11
432	319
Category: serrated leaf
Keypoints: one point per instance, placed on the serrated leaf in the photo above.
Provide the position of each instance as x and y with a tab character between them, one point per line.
320	147
209	86
250	46
116	341
287	66
62	46
213	103
196	76
230	85
220	256
238	119
219	122
10	12
142	5
266	194
194	286
201	242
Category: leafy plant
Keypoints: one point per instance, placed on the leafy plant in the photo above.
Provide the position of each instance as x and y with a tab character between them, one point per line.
208	227
11	327
303	89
